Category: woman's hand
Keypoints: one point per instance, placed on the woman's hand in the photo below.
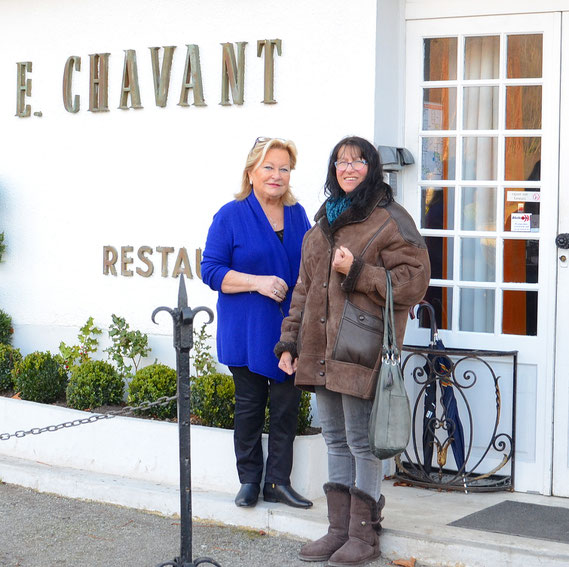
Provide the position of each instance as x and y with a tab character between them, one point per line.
343	260
271	286
287	364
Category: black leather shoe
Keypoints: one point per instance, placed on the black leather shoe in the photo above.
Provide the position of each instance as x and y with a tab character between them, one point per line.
286	494
248	495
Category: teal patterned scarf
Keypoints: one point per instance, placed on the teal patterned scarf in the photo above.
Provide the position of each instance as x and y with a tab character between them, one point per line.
335	207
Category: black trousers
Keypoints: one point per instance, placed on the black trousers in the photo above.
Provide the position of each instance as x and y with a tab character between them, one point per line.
251	392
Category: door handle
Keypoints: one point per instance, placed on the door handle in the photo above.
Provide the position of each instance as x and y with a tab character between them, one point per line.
562	240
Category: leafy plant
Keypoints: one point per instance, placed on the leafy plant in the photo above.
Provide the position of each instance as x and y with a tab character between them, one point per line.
213	400
88	344
93	384
126	345
203	360
8	358
304	415
151	383
6	329
2	245
39	377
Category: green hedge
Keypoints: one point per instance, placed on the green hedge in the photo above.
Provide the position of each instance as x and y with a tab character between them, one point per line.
151	383
9	356
6	329
93	384
39	377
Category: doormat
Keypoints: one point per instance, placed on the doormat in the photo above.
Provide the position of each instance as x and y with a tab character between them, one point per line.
520	519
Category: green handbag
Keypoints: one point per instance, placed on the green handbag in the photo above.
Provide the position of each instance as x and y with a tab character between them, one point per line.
390	419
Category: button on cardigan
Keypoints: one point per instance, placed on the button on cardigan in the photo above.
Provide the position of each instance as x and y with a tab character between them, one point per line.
241	238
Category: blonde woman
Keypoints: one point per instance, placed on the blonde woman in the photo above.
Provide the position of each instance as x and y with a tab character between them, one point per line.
251	258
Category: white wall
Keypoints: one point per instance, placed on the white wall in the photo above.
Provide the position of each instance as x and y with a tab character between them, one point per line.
72	183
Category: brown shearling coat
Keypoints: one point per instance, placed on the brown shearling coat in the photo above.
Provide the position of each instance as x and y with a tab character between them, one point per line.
311	329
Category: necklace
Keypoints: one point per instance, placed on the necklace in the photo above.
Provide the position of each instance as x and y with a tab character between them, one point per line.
273	223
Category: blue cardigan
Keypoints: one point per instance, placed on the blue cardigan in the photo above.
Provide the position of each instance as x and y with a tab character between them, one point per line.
241	238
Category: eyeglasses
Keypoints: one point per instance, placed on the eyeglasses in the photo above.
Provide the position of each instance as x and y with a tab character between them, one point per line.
264	140
356	165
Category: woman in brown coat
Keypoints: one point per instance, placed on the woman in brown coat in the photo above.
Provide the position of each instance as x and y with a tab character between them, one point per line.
360	232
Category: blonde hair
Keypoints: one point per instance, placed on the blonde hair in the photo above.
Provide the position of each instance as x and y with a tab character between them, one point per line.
257	156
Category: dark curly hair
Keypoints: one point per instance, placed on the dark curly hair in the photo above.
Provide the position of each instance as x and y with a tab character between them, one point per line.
373	184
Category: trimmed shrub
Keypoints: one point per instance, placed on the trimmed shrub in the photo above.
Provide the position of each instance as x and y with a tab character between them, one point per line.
93	384
39	377
151	383
213	400
304	414
6	329
8	358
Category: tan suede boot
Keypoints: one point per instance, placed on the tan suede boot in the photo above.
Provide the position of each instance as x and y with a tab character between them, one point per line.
338	499
365	525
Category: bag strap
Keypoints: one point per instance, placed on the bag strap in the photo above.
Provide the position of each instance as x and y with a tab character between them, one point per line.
390	349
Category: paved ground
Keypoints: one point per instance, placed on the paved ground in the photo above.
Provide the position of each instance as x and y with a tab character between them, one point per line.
51	531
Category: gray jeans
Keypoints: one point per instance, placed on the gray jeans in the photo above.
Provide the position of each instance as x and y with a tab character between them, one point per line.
344	420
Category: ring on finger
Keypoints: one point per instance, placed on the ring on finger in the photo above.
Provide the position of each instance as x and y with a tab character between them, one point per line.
275	292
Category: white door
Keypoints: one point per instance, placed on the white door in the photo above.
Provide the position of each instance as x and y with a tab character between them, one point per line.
561	407
482	119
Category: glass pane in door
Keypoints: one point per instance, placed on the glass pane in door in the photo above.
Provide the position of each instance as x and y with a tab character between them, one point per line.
440	58
477	310
437	208
480	108
439	109
519	312
525	56
523	107
478	211
522	156
480	158
521	209
438	158
482	57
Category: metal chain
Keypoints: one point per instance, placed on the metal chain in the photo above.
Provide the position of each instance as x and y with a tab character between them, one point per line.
163	401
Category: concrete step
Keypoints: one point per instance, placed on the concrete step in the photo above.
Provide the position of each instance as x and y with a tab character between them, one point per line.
415	525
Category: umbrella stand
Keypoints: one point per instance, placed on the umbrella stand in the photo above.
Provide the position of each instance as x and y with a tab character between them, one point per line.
439	370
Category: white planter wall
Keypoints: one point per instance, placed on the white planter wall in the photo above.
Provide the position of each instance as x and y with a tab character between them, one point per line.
143	449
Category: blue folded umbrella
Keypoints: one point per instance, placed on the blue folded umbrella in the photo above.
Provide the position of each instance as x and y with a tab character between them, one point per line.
438	368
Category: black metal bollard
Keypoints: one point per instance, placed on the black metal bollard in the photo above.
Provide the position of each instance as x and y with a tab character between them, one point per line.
183	318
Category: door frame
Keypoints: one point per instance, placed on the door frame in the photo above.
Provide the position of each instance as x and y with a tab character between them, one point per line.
534	463
560	483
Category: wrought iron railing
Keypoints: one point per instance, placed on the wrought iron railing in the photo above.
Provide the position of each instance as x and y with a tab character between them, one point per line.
457	403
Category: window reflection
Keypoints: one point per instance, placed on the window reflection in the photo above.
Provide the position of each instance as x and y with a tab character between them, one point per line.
480	108
437	207
519	312
479	158
440	59
478	211
521	156
441	299
521	260
439	109
525	56
441	255
523	107
477	310
482	57
478	259
438	158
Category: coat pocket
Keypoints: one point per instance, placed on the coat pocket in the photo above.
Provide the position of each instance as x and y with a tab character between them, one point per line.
359	337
